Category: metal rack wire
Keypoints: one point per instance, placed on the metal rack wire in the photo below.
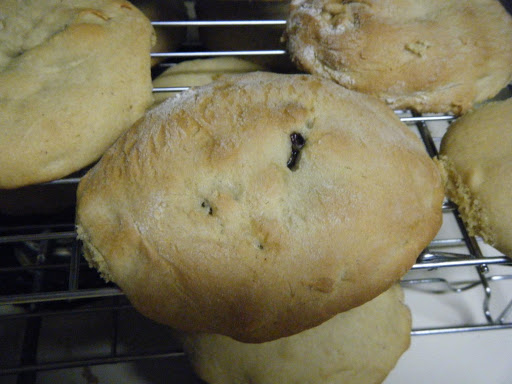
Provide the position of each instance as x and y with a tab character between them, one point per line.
43	275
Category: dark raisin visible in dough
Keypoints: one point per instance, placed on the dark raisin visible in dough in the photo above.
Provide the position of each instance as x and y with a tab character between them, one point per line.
298	143
206	205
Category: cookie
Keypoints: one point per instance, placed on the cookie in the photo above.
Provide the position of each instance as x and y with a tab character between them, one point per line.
259	206
429	56
358	346
477	156
74	75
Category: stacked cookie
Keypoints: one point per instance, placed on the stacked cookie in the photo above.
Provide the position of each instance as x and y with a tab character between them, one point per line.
254	208
278	186
358	346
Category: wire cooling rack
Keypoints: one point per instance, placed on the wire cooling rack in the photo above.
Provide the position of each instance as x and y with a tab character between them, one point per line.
46	285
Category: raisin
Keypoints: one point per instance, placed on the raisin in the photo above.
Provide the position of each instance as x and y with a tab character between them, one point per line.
298	143
206	205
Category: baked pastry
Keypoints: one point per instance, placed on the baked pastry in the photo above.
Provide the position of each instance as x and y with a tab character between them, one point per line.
259	205
477	156
358	346
192	73
430	56
246	37
74	75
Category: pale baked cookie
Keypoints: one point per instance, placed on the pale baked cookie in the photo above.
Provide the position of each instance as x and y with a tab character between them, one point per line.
192	73
259	205
358	346
428	55
74	75
477	156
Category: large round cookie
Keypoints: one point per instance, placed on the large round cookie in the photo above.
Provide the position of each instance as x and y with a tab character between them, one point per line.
358	346
259	206
477	155
74	75
428	55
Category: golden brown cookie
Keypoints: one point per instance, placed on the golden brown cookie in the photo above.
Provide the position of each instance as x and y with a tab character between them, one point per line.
477	156
429	55
259	205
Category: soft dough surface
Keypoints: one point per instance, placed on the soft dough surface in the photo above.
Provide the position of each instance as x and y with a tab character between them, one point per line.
477	155
196	215
428	55
360	346
74	75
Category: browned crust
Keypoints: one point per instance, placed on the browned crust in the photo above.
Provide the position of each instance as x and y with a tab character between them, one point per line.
476	154
199	220
430	56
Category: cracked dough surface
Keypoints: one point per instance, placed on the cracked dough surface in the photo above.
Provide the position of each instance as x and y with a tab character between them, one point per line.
431	56
74	75
195	214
